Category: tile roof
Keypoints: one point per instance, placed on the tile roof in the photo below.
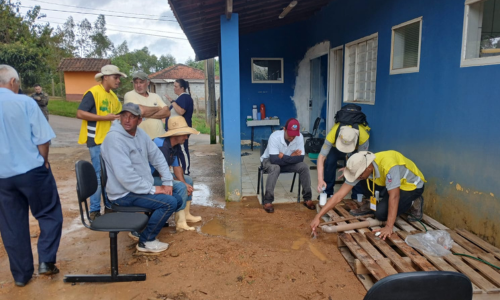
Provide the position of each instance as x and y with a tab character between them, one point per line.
83	64
179	71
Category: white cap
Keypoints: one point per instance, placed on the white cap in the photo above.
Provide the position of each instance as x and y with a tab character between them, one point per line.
357	164
347	139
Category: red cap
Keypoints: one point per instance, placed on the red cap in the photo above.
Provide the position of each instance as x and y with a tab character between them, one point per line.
292	127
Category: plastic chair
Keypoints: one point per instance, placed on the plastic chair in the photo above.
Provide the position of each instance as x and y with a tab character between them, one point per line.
260	179
86	185
440	285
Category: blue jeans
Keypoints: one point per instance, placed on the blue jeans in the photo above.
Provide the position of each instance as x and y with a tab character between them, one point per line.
163	205
95	199
330	172
179	188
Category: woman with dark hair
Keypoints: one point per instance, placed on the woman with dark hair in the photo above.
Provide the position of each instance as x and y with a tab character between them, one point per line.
182	106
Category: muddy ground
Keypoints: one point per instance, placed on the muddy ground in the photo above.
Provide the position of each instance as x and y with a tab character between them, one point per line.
237	252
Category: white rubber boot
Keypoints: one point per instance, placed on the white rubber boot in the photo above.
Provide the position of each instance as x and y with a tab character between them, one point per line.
189	217
180	221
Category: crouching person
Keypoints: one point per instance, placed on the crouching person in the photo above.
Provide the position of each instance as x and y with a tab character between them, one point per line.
170	145
126	152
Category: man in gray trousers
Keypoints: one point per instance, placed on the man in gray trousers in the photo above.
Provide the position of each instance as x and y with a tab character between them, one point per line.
285	153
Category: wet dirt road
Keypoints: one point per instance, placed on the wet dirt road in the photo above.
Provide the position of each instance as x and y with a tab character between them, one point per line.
237	252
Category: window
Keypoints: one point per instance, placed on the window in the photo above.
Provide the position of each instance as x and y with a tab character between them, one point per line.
481	34
361	70
267	70
405	51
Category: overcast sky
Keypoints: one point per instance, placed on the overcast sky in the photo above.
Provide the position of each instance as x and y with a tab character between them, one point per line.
140	17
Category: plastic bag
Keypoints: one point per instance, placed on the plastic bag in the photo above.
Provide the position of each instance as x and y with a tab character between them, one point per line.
434	242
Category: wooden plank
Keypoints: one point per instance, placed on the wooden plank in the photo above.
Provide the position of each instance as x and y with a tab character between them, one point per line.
383	262
420	261
365	280
480	242
401	264
361	254
491	259
404	225
430	221
465	243
415	224
343	219
485	270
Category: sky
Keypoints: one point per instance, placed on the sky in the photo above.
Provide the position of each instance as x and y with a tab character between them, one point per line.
140	17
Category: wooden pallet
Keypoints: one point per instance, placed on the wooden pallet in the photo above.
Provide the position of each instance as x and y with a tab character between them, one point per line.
372	259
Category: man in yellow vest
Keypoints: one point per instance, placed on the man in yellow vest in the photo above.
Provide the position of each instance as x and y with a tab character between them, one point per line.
398	180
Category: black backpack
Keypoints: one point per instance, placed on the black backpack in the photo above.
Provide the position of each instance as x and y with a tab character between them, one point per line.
350	114
314	144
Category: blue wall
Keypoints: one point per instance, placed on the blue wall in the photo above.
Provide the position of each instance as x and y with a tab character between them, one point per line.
443	117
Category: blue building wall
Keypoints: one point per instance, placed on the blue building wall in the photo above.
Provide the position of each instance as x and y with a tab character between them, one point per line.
443	117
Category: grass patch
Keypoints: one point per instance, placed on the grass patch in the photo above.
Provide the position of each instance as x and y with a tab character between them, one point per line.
63	108
200	125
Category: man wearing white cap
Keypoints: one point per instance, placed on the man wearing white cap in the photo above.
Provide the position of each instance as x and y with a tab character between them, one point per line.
398	180
350	133
99	107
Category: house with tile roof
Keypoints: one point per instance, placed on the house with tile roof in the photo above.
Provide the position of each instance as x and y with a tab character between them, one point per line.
79	75
162	83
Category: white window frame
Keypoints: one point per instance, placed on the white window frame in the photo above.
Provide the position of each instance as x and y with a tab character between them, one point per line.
411	69
472	62
346	69
267	81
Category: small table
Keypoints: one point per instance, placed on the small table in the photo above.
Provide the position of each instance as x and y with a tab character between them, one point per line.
270	122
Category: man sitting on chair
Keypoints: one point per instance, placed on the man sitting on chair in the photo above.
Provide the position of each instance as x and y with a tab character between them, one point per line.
285	153
126	151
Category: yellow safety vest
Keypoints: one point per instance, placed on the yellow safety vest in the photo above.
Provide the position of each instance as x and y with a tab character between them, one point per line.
105	103
387	159
364	134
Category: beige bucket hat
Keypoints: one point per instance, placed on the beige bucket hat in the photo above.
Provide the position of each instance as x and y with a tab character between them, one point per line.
109	70
177	126
357	164
347	139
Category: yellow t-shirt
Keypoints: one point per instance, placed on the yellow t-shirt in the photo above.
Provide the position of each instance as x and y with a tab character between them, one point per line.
153	127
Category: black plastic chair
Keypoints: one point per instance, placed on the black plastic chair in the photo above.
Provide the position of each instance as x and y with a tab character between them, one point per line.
260	179
440	285
86	185
118	208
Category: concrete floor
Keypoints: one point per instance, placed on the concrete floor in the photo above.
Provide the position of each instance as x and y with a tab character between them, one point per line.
282	194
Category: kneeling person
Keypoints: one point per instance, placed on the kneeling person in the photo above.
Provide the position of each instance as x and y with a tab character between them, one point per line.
170	145
285	153
397	178
126	152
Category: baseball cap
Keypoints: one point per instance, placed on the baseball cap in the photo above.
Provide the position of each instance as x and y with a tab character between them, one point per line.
140	75
131	108
357	164
292	127
347	139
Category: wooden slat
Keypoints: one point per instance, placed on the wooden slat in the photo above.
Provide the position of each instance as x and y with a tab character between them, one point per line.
404	226
345	213
485	270
491	259
435	224
480	242
465	243
417	259
417	225
361	254
333	215
383	262
401	264
365	280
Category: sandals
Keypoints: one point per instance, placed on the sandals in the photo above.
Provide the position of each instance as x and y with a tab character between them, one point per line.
309	204
268	207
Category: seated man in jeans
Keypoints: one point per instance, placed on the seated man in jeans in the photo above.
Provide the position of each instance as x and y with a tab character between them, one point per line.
285	153
126	151
170	145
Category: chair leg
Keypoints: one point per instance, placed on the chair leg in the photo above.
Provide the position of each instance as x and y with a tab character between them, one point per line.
293	182
298	194
262	188
258	180
114	276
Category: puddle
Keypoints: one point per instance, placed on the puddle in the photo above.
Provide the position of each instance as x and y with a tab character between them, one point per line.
203	196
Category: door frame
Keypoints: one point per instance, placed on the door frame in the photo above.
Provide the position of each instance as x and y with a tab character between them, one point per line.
334	74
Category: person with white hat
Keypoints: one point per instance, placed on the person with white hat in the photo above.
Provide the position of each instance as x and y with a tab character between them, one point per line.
99	107
397	178
349	134
170	145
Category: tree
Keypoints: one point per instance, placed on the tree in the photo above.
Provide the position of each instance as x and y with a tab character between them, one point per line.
101	44
84	32
164	62
68	36
200	65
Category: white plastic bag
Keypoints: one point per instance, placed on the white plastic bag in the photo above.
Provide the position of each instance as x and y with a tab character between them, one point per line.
434	242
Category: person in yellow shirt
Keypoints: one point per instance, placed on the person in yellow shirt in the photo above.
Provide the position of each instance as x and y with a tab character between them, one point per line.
397	178
152	106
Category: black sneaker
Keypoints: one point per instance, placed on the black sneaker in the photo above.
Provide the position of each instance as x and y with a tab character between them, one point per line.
416	210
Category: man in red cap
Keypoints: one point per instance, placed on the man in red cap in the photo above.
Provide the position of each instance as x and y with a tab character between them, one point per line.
285	153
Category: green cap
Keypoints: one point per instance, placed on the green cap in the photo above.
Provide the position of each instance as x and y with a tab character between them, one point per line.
141	75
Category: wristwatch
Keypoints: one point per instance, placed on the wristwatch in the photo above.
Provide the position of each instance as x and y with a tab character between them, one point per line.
172	102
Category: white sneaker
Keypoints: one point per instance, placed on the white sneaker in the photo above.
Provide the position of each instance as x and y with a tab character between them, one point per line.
153	246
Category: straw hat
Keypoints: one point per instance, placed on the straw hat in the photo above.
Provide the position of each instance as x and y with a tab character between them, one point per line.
357	164
177	126
109	70
347	139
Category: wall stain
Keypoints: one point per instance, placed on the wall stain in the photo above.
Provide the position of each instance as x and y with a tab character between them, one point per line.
475	212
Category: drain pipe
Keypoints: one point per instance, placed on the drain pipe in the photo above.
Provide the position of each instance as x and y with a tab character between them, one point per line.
339	228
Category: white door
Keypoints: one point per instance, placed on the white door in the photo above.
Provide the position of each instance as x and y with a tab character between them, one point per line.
334	85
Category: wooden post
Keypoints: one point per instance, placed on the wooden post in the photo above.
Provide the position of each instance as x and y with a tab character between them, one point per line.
53	88
207	103
211	98
61	84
